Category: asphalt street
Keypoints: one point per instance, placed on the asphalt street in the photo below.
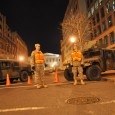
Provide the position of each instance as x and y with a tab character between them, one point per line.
62	98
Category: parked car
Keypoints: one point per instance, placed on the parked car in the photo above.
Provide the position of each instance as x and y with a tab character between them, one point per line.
15	69
95	62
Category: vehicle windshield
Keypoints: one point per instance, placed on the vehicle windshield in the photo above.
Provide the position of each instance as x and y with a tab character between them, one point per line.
89	54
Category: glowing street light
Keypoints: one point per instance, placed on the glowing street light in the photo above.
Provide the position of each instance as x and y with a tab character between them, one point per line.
72	39
21	58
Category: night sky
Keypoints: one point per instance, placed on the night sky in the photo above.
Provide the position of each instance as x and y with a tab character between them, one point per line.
36	21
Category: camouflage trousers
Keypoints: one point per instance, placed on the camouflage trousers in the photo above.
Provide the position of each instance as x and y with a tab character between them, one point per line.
77	70
39	74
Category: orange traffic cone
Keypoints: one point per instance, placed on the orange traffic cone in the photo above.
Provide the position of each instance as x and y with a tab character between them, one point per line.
7	80
29	81
56	76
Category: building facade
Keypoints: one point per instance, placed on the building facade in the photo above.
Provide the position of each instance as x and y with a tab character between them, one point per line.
73	8
11	44
102	14
53	60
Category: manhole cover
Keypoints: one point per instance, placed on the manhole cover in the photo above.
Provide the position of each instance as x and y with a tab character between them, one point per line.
82	100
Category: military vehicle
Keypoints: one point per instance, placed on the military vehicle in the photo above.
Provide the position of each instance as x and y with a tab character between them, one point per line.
95	61
15	69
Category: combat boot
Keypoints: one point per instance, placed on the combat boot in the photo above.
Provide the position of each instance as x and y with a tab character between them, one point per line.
82	82
45	86
75	82
39	86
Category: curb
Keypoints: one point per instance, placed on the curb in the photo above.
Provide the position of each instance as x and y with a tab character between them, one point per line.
108	79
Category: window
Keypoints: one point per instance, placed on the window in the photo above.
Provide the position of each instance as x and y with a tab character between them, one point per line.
112	39
99	30
95	33
92	10
87	3
91	1
100	2
0	18
89	14
104	26
108	7
102	12
113	4
94	21
96	4
5	64
97	16
106	40
91	36
0	26
110	21
100	41
16	64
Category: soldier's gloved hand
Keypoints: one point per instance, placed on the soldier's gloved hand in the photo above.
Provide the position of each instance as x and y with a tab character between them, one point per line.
33	67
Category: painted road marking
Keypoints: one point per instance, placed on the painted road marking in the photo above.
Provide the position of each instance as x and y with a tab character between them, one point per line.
107	102
21	109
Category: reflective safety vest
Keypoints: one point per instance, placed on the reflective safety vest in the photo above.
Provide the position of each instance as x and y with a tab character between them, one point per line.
39	57
76	56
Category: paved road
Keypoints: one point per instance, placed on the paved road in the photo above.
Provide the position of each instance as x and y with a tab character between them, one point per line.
21	99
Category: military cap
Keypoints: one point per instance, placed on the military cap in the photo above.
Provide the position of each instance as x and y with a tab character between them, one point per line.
37	45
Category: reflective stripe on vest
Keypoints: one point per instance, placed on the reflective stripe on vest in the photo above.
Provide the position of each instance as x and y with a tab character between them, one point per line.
76	56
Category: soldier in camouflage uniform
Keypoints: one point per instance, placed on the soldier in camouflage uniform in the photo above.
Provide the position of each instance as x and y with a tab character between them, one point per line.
77	61
37	64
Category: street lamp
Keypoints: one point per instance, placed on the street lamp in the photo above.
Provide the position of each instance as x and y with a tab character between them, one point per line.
21	58
72	39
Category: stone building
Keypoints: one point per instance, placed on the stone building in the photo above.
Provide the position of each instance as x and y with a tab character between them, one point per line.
73	8
11	44
102	14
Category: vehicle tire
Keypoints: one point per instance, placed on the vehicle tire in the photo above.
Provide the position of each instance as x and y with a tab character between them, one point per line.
11	80
93	73
68	75
24	76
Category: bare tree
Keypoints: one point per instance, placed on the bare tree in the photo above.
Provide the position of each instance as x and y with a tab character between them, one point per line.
78	25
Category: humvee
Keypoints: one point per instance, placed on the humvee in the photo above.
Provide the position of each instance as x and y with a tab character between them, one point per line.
95	61
15	69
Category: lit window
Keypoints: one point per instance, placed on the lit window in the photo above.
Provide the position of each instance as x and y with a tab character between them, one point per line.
108	7
92	10
89	14
110	21
100	2
113	4
112	39
106	40
104	26
96	4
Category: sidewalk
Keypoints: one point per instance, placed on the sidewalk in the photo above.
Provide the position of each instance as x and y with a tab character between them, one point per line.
109	75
